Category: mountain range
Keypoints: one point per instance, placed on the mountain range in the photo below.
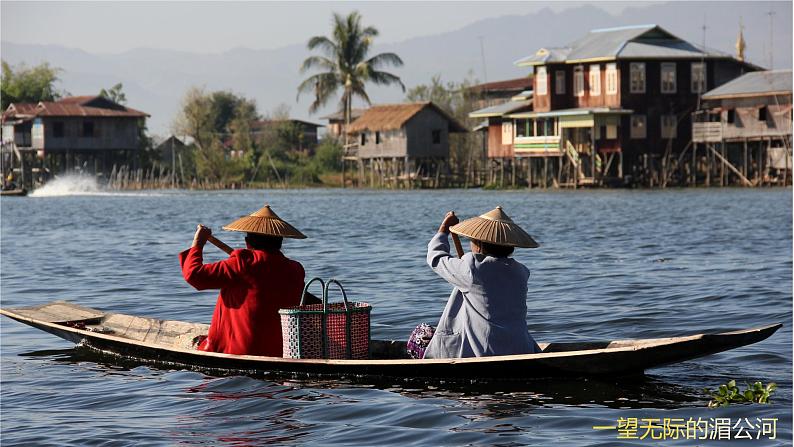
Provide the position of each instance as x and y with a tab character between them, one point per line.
155	79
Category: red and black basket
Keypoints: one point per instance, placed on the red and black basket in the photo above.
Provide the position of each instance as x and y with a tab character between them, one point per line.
326	331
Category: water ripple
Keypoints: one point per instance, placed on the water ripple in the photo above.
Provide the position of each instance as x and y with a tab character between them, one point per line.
612	265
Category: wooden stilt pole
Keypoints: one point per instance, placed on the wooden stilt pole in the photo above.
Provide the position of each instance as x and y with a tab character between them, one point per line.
545	172
730	166
708	164
785	164
693	173
758	177
529	172
722	165
513	173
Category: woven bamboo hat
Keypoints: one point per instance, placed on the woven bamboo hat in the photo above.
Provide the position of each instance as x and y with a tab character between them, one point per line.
495	227
265	221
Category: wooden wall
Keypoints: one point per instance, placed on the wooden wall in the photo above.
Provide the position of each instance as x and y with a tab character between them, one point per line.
109	134
393	143
420	134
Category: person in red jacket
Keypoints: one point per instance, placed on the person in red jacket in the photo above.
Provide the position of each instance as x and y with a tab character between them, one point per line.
254	284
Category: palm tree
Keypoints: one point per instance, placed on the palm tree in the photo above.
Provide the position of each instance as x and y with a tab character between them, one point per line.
345	65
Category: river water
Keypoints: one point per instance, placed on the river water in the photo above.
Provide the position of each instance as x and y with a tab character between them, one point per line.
612	265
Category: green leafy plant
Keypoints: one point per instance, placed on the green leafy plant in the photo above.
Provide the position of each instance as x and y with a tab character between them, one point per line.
729	393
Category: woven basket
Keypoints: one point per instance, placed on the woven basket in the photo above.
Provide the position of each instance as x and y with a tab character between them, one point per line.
326	331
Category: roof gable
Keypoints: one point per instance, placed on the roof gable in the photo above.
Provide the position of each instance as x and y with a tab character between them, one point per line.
394	116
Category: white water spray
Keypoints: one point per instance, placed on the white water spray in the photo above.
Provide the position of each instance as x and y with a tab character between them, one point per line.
68	185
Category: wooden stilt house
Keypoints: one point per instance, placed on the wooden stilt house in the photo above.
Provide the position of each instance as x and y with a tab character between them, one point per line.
742	133
619	102
501	151
86	133
403	145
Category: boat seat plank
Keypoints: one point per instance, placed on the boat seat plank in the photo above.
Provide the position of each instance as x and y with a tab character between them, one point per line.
60	312
150	330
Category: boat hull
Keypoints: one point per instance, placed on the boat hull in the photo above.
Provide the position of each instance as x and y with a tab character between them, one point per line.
165	343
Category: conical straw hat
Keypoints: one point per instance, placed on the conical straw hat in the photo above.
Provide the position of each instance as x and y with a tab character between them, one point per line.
495	227
266	222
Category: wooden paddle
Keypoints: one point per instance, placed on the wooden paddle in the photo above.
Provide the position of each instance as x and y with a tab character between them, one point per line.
458	247
310	298
219	243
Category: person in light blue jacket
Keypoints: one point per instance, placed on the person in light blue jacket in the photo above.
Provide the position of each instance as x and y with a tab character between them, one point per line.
486	312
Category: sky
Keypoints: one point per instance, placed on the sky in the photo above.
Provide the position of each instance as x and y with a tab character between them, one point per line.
211	27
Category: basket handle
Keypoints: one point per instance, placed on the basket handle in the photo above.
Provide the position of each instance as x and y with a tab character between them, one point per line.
348	323
325	294
306	290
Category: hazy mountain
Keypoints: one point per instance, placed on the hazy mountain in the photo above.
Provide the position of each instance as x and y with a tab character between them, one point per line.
155	79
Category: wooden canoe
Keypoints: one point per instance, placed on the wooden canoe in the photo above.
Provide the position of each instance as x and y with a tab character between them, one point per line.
169	343
14	192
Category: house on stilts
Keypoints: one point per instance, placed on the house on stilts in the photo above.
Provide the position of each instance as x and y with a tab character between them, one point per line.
741	135
85	133
613	107
401	145
499	137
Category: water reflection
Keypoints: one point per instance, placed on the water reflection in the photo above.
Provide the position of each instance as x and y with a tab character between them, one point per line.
501	397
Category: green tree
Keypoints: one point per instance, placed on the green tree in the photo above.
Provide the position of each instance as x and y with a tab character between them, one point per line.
28	84
195	118
345	65
457	99
328	155
220	125
114	94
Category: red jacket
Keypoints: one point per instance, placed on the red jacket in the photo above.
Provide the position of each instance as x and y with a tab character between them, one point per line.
254	286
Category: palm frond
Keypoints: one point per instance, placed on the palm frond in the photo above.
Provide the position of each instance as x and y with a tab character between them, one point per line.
370	31
384	78
322	85
385	59
317	61
361	93
323	43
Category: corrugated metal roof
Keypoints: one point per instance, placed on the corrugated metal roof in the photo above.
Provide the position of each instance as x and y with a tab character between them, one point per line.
23	108
71	109
19	110
92	106
630	42
517	84
77	99
545	56
394	116
608	42
660	48
501	109
759	83
483	125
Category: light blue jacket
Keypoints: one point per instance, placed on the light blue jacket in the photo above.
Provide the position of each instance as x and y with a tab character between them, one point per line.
486	312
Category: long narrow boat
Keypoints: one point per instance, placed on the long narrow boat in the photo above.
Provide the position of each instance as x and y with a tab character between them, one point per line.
14	192
169	343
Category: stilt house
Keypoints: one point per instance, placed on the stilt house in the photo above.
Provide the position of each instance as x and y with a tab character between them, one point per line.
82	131
743	131
616	103
403	143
